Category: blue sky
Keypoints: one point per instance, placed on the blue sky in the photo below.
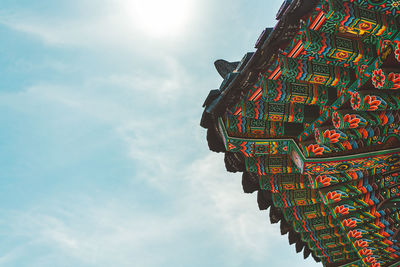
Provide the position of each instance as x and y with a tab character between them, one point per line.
102	159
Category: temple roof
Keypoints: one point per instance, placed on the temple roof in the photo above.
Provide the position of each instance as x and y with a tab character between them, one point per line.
312	120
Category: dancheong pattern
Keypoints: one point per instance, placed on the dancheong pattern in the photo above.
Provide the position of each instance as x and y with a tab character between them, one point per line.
312	119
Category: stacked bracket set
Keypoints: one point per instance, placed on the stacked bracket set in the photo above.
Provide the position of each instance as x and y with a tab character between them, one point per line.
312	119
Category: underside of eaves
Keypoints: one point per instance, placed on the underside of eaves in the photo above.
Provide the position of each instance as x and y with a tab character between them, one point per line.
312	119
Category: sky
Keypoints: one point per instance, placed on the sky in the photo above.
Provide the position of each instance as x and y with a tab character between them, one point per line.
102	159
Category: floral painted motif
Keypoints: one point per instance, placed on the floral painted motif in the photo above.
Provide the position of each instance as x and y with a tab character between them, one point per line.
397	52
355	234
395	7
342	55
354	165
288	186
342	210
373	102
311	216
275	118
276	170
364	26
370	259
355	101
301	202
332	135
319	79
369	102
315	150
349	223
323	179
298	99
336	119
366	252
395	79
334	196
352	120
396	4
378	79
361	244
317	168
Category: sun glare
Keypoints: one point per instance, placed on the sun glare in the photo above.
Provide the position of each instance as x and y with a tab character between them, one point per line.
162	18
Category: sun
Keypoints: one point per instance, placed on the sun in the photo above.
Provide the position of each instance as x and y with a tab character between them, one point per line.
161	18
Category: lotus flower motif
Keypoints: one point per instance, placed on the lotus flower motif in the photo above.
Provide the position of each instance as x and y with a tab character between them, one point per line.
373	102
315	149
352	120
334	196
323	179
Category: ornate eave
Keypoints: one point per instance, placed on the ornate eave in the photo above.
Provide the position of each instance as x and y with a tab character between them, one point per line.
312	119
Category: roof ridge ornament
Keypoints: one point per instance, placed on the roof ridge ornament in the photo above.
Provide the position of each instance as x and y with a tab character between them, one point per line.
225	67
